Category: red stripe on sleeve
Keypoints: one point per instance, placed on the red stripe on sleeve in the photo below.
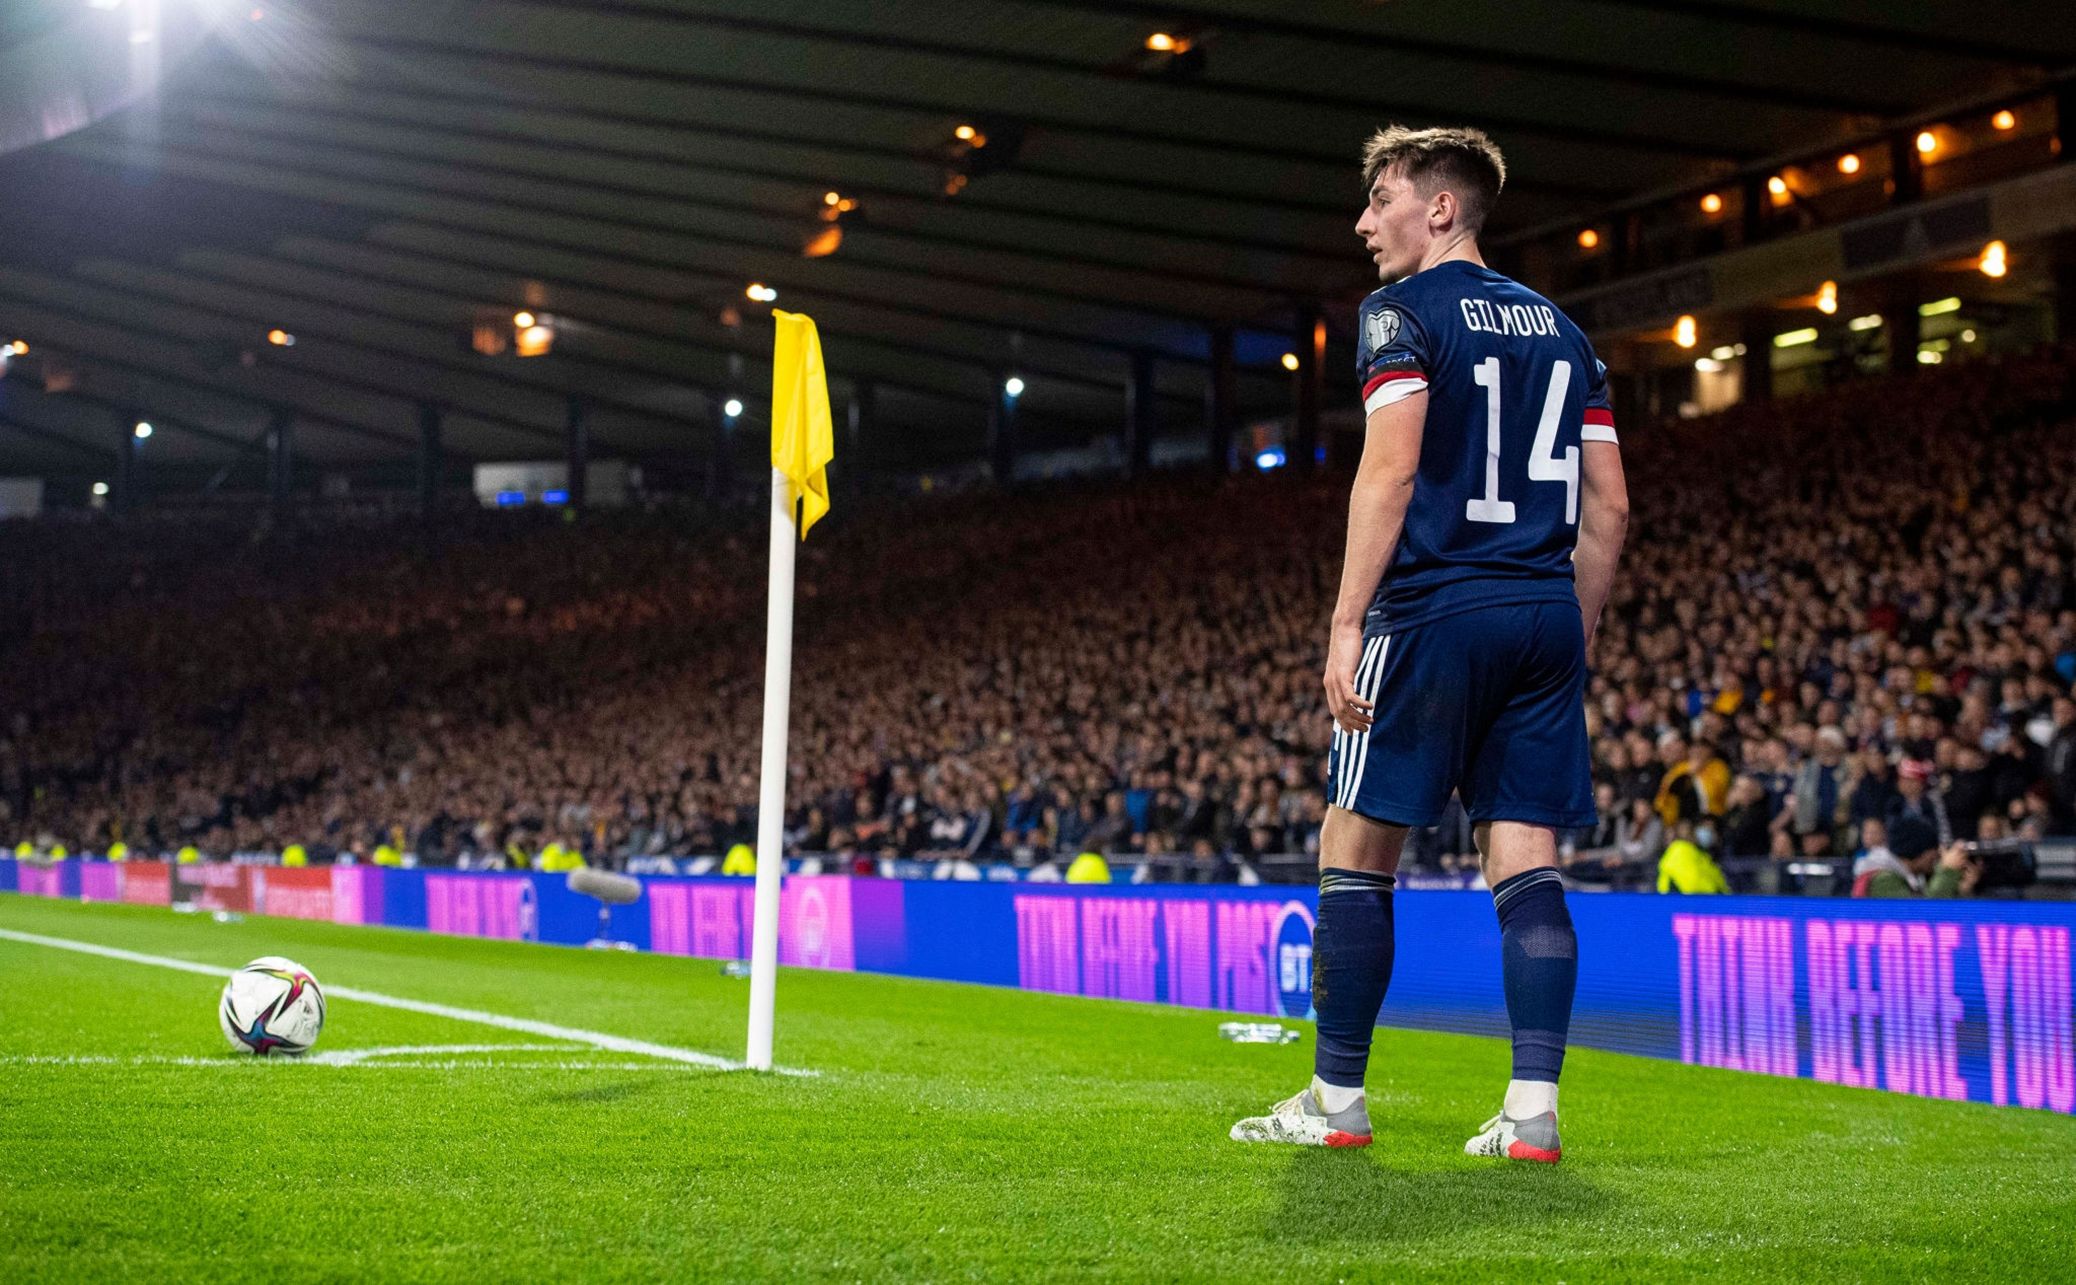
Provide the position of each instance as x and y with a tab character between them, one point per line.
1595	415
1378	381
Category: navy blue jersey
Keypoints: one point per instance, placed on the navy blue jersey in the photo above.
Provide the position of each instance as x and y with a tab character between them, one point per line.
1513	389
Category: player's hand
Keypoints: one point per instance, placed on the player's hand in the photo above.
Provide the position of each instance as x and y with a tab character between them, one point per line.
1351	713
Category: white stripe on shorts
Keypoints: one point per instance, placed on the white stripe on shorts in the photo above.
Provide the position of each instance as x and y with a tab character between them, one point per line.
1362	742
1365	679
1343	740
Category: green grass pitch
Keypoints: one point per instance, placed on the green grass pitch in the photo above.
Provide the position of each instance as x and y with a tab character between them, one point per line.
952	1132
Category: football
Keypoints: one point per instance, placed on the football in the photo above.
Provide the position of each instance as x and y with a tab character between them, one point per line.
271	1006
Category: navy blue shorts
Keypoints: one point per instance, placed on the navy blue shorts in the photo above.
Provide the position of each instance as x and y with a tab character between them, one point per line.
1489	702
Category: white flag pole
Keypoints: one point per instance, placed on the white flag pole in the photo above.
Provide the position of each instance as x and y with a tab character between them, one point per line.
771	793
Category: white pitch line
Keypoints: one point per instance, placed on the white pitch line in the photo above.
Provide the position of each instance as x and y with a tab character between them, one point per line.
230	1060
523	1025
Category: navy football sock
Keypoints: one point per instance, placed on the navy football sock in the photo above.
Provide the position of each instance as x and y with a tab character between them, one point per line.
1541	969
1351	970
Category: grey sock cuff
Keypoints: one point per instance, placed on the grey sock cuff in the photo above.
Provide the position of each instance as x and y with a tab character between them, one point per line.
1332	879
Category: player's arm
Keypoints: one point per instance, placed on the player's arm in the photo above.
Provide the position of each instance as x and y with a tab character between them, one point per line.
1603	523
1376	517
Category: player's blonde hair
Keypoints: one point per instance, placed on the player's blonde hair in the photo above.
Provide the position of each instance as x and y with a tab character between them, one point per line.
1463	160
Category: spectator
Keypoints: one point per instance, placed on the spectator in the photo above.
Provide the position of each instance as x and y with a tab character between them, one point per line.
1901	869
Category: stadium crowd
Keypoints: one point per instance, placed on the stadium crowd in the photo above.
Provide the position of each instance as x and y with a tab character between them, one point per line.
1851	608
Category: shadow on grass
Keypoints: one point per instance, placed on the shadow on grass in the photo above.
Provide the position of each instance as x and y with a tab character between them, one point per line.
1336	1196
616	1091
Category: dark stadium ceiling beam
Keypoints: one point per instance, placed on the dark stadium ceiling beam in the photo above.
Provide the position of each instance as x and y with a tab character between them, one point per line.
1170	17
186	275
407	111
59	438
1949	41
176	288
349	172
398	391
1027	59
1640	142
120	409
452	95
410	267
81	337
495	225
878	197
554	170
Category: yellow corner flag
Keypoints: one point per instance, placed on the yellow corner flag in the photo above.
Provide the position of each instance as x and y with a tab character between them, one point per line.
803	438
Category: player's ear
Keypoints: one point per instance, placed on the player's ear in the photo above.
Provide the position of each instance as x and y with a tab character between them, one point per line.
1442	211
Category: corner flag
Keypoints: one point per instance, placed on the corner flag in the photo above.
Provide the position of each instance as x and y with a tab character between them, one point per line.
803	438
803	441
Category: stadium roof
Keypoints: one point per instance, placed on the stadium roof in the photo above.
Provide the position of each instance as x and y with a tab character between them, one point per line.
378	178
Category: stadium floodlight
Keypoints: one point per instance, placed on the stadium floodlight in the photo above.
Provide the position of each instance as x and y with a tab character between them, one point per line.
760	292
281	338
100	488
1588	238
1849	163
142	431
1013	386
1827	298
1712	204
1685	332
732	408
2004	120
1927	142
523	320
1724	353
1290	362
1939	307
1272	458
1993	263
1872	321
1796	338
1708	365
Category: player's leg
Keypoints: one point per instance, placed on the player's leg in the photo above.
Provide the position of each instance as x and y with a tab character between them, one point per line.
1351	970
1397	774
1539	967
1529	775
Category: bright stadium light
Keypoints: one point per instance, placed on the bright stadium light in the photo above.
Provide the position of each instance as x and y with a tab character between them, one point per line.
1685	332
522	320
760	292
1872	321
1290	362
1796	338
142	431
1927	143
1777	185
1708	365
1271	458
100	488
1724	353
732	408
1013	386
2003	121
1849	163
281	338
1712	204
1993	263
1827	298
1588	238
1939	307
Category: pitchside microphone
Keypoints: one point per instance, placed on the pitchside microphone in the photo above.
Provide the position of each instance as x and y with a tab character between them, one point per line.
610	890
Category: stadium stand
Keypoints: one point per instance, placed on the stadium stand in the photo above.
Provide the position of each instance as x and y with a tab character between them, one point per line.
1125	670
